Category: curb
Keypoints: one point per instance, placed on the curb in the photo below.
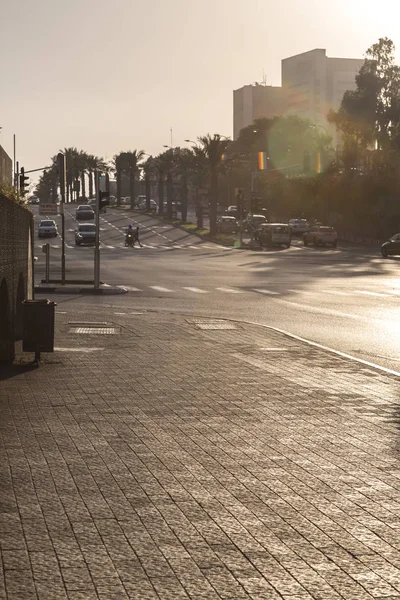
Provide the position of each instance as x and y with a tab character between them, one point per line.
108	291
306	341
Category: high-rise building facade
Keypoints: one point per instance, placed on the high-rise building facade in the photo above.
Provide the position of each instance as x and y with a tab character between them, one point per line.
312	84
5	167
315	83
256	101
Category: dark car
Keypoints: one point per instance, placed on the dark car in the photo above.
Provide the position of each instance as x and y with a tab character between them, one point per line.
85	234
84	212
392	246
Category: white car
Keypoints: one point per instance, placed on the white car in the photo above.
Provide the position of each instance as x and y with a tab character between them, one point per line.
227	224
142	204
299	226
320	236
47	228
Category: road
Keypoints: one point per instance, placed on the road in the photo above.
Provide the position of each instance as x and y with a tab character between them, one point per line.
345	298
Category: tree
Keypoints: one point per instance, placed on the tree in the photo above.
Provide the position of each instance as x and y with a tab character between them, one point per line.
120	166
133	159
148	169
165	163
369	116
213	147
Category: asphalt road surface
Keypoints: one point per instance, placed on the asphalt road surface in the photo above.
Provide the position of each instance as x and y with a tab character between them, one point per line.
345	298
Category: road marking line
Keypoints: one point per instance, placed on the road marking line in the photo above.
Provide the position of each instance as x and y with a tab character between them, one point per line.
194	247
339	293
129	288
158	288
229	290
262	291
373	294
195	290
86	350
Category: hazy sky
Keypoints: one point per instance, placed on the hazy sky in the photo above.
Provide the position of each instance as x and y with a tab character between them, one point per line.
110	76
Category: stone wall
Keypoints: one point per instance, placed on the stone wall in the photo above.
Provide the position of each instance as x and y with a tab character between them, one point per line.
16	271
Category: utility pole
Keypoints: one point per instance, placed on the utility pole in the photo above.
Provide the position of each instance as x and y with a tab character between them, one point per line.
62	174
97	243
15	170
17	179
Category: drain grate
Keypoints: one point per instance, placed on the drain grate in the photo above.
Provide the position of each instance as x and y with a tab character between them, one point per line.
93	328
202	323
216	325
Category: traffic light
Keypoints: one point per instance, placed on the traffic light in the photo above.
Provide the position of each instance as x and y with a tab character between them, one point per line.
104	200
23	179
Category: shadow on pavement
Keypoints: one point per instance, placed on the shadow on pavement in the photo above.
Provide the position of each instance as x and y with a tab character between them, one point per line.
15	369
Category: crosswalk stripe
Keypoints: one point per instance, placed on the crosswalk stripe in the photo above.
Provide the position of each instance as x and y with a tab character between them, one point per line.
158	288
195	290
129	288
339	293
229	290
373	294
262	291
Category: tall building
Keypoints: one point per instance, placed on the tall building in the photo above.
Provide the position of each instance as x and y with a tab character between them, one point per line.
5	167
255	101
312	84
315	83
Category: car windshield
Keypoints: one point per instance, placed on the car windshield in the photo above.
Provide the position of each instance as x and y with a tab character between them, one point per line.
46	223
87	228
280	229
326	229
85	207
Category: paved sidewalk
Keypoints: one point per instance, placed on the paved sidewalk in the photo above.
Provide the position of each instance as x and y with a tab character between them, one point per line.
164	461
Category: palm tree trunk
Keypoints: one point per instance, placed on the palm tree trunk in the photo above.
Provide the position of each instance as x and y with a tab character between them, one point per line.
184	198
147	190
170	193
132	182
90	183
213	202
83	184
161	194
118	178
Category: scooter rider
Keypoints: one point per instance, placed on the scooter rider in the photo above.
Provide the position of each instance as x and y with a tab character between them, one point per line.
129	233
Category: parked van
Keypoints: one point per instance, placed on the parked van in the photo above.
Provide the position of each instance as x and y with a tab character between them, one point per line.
274	234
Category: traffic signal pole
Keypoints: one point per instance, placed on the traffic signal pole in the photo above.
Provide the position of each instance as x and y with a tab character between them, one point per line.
62	174
97	242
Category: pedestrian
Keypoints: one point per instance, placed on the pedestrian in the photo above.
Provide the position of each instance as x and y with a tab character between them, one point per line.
136	238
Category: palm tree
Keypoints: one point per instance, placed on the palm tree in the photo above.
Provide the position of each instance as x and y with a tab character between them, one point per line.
165	166
214	147
133	159
120	167
184	163
148	169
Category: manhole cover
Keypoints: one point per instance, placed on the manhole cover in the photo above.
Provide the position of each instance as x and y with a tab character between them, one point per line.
216	325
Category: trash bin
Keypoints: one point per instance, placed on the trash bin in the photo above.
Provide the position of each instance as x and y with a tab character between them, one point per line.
38	326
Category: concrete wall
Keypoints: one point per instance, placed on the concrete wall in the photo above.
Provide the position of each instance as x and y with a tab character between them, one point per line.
16	271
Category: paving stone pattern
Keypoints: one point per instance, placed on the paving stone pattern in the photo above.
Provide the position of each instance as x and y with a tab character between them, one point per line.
179	463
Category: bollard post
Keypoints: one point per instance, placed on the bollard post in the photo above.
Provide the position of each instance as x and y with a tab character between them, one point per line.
46	250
